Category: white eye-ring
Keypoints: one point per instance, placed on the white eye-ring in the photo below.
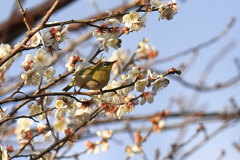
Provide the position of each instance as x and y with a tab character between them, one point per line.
104	64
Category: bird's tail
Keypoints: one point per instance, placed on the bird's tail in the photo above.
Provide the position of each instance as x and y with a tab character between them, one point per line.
67	87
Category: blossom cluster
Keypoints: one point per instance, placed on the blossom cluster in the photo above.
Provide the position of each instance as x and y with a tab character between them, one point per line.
109	36
135	87
5	49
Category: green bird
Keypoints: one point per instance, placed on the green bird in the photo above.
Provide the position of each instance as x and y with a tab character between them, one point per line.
93	77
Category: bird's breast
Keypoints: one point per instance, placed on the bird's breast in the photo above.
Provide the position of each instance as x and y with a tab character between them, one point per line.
90	82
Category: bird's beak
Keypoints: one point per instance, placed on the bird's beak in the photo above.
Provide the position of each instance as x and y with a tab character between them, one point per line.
114	61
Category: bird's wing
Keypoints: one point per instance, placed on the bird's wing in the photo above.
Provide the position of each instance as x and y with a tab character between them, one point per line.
85	71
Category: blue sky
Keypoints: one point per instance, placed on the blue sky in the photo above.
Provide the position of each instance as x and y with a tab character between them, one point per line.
195	23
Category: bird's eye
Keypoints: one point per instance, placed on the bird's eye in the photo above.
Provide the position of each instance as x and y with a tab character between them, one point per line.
104	64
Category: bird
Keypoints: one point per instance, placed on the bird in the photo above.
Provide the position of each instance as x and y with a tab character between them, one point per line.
93	77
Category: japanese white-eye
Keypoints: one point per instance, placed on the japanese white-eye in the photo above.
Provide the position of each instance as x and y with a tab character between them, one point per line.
94	77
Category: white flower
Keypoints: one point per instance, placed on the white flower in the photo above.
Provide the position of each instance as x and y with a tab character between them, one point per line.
125	80
92	147
61	109
28	63
4	154
134	21
49	74
62	34
82	114
137	149
105	146
35	109
55	34
129	99
60	125
134	149
161	123
146	51
35	40
32	76
75	59
47	99
41	127
104	134
130	18
3	114
122	56
123	109
137	72
47	38
24	124
111	96
157	3
147	96
160	83
5	49
152	75
140	85
47	136
113	20
82	65
137	26
42	57
107	40
167	10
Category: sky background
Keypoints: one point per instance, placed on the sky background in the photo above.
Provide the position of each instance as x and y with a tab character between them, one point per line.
196	22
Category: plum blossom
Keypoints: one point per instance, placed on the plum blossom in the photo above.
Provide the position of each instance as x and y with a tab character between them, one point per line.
76	61
61	109
41	127
92	147
160	83
53	36
107	40
32	76
147	96
47	136
4	154
111	96
133	149
122	56
35	109
134	21
35	68
42	57
167	10
3	114
140	85
137	72
60	125
125	80
105	135
128	107
35	40
114	20
146	51
5	49
49	74
123	109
